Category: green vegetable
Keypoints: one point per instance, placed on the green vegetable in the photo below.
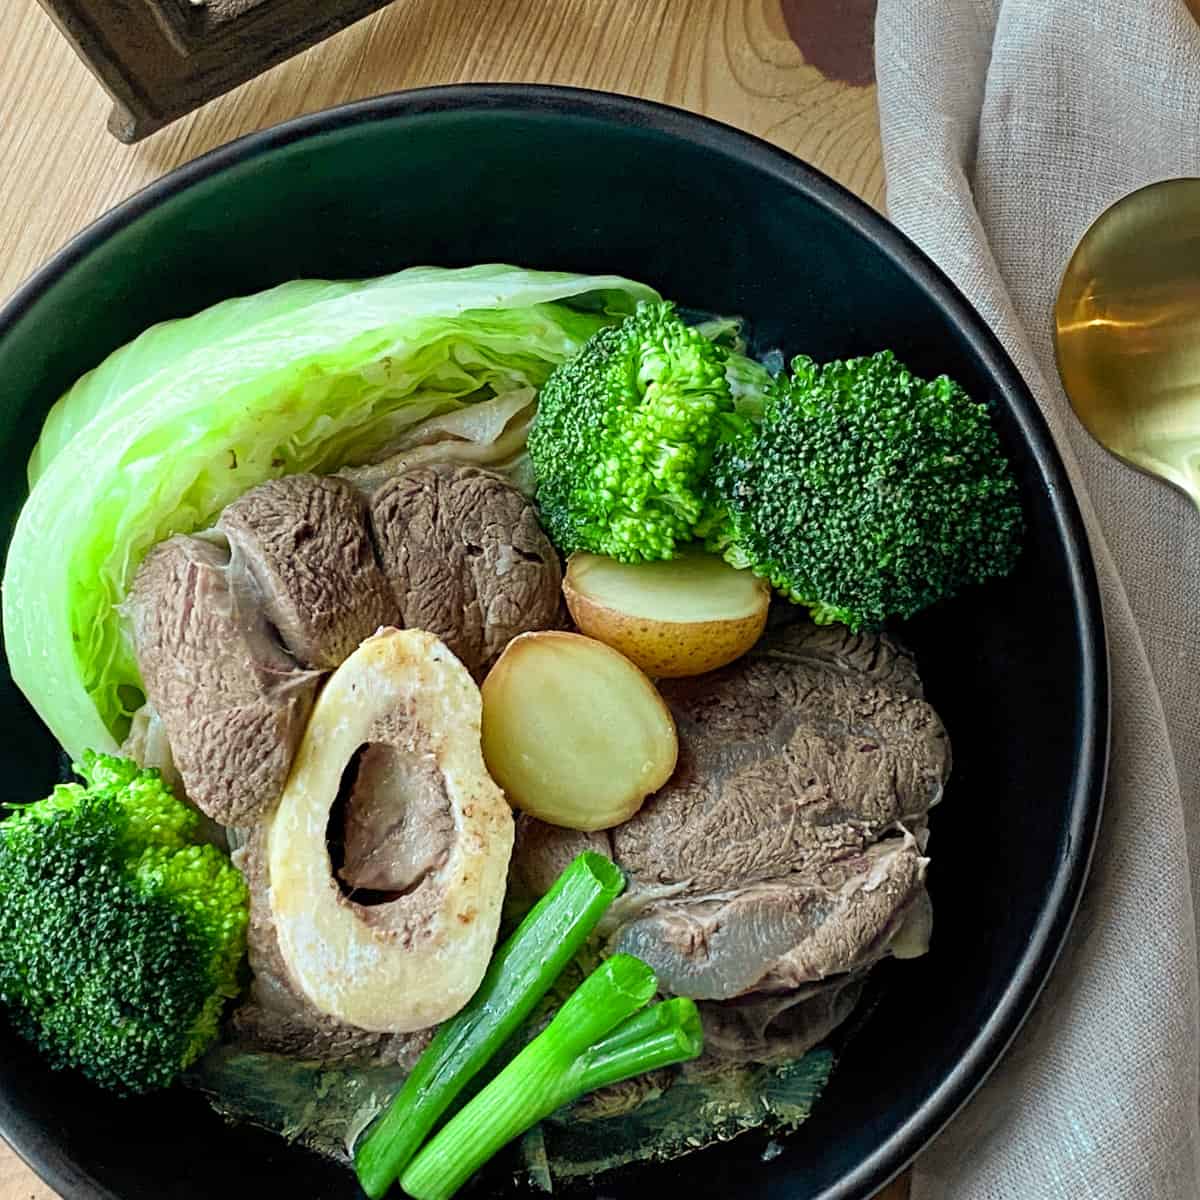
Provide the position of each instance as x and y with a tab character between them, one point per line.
120	937
520	973
592	1042
866	492
310	376
624	436
749	383
748	378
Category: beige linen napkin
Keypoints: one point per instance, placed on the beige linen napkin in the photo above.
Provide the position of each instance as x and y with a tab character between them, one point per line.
1008	125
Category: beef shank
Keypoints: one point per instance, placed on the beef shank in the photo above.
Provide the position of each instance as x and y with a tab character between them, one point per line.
304	539
233	702
466	559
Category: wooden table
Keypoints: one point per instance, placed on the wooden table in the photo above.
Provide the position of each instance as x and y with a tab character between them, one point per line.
736	60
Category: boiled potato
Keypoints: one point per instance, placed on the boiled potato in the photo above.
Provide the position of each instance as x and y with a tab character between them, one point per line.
573	732
681	617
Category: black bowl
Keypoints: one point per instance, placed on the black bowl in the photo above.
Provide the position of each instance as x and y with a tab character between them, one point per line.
556	178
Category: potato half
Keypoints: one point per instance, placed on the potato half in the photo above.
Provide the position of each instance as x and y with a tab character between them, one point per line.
681	617
573	732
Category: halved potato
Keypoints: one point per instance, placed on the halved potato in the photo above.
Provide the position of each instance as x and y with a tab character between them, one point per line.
573	732
681	617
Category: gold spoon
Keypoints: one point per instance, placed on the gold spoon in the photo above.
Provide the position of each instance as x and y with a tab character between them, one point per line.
1127	331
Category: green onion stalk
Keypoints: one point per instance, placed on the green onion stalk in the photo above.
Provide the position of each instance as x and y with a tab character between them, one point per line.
520	974
599	1037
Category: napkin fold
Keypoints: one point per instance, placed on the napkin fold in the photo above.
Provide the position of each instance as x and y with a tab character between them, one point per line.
1008	126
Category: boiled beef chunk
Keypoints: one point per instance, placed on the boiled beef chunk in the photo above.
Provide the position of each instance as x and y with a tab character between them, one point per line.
304	539
233	702
466	559
805	750
781	934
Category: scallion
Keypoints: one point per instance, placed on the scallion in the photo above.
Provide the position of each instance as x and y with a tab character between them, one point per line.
520	974
594	1040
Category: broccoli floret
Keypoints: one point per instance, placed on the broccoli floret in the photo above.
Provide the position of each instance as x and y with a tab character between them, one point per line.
120	936
866	492
624	435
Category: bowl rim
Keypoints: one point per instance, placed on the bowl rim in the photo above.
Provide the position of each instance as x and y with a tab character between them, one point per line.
52	1162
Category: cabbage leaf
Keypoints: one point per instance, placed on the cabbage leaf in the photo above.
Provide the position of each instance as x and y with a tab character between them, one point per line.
309	376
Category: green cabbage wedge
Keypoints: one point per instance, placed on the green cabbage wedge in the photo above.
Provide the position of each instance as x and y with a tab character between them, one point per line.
309	376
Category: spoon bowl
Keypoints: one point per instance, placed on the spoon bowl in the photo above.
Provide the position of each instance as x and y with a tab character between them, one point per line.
1127	331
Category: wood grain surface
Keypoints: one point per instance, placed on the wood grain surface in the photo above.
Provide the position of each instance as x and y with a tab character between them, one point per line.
730	59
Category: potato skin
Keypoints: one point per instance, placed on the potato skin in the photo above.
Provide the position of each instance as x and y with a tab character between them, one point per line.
666	649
